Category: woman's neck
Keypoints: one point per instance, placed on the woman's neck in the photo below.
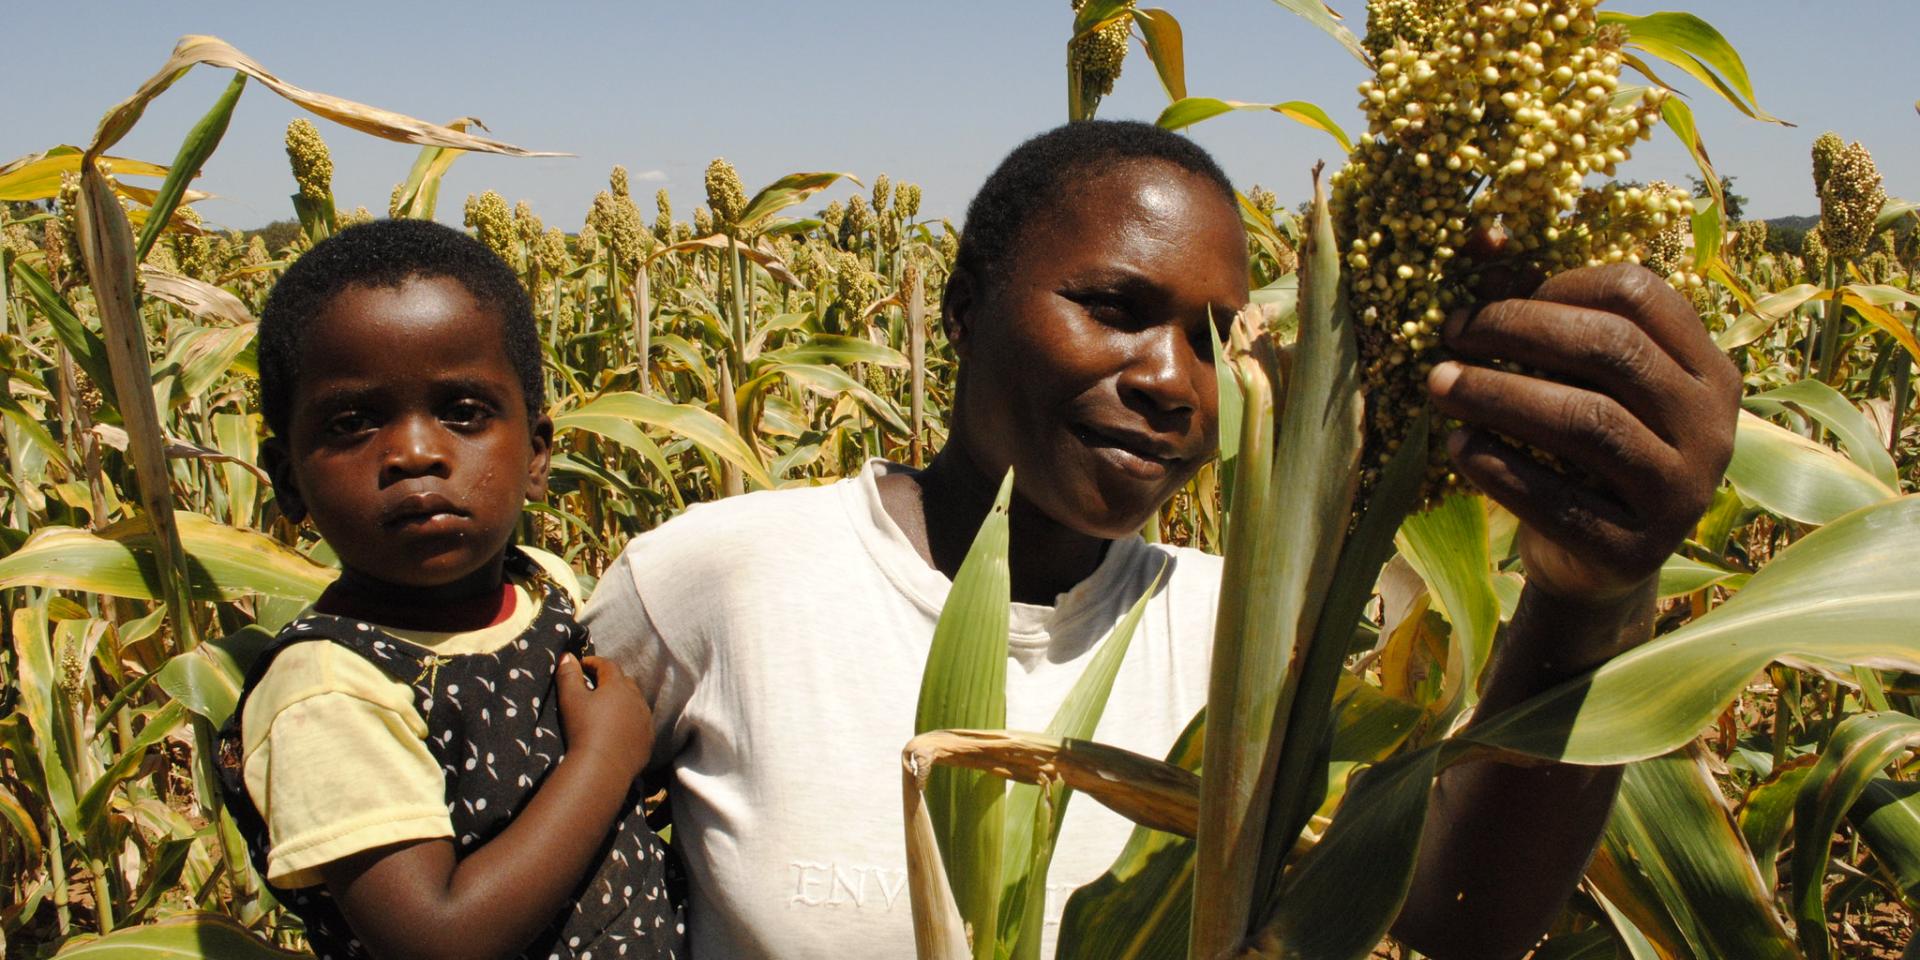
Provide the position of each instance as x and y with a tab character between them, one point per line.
480	599
1044	559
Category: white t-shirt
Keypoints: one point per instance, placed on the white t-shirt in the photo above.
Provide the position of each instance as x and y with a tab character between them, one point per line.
782	636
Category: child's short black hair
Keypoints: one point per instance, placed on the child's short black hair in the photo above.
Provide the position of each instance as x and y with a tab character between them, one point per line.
1034	175
387	253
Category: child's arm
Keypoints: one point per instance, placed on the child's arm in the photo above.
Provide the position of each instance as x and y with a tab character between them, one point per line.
417	900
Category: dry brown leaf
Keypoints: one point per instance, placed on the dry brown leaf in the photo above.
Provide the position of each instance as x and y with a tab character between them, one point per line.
760	254
1150	792
1147	791
199	298
178	449
107	247
213	51
939	932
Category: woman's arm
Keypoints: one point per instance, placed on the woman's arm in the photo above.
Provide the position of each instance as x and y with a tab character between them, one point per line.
416	900
1637	398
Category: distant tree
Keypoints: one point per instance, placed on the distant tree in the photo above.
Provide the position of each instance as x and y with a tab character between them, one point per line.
1736	204
277	234
1783	239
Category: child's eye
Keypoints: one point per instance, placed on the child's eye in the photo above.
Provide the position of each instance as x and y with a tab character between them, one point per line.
348	424
467	413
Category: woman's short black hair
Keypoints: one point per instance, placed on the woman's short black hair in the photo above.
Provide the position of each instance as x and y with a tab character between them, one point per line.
387	253
1036	173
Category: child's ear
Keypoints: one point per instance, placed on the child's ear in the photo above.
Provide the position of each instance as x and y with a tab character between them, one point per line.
277	461
956	308
542	462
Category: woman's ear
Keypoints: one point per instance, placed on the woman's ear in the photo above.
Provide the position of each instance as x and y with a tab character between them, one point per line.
957	301
542	462
277	461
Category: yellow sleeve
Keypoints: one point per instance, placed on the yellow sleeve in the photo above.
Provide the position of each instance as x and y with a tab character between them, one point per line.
336	760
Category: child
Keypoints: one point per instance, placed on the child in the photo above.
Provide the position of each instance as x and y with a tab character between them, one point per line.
435	776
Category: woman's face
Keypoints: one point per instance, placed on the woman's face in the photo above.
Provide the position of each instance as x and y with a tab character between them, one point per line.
1087	366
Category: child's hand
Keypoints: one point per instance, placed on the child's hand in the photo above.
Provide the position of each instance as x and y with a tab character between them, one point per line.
608	721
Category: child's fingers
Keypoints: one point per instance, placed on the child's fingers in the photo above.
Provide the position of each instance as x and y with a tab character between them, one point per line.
570	681
607	673
603	669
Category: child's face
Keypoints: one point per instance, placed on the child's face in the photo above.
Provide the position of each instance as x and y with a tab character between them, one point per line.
408	442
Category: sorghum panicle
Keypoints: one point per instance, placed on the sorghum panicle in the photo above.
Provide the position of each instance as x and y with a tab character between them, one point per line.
663	216
1480	115
312	163
488	216
1813	252
725	194
1851	196
1098	56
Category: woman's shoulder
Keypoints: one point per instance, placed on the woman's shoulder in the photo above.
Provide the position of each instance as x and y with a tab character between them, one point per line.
1187	568
735	530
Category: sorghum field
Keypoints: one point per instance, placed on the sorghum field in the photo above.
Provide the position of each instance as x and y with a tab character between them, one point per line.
700	347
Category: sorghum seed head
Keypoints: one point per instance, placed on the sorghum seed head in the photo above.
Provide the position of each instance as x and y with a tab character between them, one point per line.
1098	56
312	164
1813	252
949	242
1850	201
663	216
491	221
1826	149
1481	114
526	226
725	194
616	221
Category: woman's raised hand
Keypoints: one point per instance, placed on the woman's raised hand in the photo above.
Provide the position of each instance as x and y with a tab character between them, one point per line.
1630	392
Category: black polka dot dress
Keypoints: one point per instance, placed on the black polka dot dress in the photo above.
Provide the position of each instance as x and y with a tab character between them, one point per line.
493	724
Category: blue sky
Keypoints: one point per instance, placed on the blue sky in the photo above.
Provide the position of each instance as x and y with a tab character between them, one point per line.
929	92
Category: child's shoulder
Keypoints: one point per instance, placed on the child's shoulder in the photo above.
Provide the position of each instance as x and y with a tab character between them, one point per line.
554	569
306	664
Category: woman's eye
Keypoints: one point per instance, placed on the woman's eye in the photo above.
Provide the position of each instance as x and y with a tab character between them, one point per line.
1106	308
1203	343
1206	336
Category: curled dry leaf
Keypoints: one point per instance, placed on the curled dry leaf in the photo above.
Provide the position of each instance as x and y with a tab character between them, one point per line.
202	299
759	253
196	49
1152	793
178	449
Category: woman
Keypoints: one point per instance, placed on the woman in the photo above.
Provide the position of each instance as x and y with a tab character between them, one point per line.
785	632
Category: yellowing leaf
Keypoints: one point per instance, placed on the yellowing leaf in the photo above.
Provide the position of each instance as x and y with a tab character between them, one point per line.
196	49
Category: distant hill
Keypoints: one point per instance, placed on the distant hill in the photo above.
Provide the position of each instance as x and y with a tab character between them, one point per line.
1785	234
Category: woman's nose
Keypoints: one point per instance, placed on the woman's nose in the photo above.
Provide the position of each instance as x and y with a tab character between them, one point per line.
1159	379
415	447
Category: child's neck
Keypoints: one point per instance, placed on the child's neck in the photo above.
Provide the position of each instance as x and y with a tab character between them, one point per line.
478	600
